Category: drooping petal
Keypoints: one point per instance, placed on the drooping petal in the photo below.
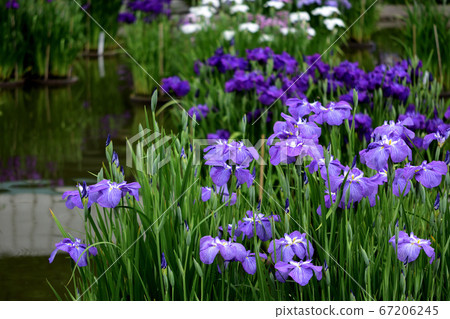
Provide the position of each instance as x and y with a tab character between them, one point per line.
429	251
208	254
301	275
79	255
429	178
244	176
408	252
220	175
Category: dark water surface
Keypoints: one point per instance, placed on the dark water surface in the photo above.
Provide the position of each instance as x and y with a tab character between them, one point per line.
51	138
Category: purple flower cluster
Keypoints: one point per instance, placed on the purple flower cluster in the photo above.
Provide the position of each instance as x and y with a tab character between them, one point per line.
255	221
176	85
12	4
224	62
229	251
332	3
219	135
251	224
225	160
285	249
200	111
299	134
149	9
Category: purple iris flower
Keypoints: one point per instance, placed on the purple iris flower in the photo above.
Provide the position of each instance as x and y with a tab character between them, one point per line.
288	151
395	129
377	154
258	221
226	62
431	126
249	262
330	199
294	128
219	135
75	249
152	7
110	193
126	17
241	154
244	81
12	4
270	95
428	174
210	247
441	135
200	111
82	196
363	125
206	193
300	271
402	180
315	63
396	90
409	247
230	200
236	152
218	152
335	3
356	186
174	83
220	175
301	127
348	73
260	55
334	167
284	62
301	3
332	114
295	87
291	245
299	108
363	97
417	118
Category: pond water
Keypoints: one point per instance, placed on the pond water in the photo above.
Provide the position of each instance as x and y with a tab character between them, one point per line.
51	138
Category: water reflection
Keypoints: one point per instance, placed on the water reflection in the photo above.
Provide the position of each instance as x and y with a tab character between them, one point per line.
50	138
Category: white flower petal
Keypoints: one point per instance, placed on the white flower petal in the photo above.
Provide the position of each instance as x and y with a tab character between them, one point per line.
325	11
299	16
249	26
